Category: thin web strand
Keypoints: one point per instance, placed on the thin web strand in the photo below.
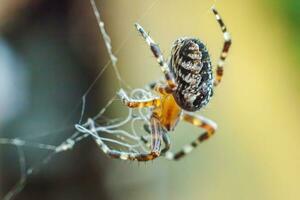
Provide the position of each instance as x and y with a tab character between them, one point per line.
106	39
22	181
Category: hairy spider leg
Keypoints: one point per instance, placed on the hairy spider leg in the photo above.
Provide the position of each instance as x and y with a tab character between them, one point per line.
156	130
156	137
172	116
159	57
167	142
226	46
159	87
199	121
134	103
165	138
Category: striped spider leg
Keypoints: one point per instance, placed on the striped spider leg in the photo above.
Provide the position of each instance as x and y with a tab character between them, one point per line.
201	122
209	126
171	84
226	46
165	138
160	88
156	130
134	103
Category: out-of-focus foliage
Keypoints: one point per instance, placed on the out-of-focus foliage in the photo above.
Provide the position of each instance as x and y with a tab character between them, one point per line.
292	8
289	10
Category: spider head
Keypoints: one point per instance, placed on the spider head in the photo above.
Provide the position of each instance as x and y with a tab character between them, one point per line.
191	66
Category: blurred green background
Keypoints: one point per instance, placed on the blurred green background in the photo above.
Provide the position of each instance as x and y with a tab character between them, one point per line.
52	51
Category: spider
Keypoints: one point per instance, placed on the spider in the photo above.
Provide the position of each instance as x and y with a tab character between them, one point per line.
188	86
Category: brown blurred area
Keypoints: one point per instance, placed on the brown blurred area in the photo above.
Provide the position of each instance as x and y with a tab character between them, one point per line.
11	10
52	51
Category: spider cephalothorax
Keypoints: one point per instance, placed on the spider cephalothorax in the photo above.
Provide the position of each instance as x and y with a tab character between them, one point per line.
191	66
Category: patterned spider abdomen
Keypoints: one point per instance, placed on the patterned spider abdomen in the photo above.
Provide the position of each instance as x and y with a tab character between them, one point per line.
190	63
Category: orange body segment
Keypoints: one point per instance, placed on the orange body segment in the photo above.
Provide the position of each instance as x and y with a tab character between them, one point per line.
168	112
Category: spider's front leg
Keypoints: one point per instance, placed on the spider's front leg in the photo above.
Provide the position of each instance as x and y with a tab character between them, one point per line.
159	57
165	138
199	121
137	103
156	137
226	46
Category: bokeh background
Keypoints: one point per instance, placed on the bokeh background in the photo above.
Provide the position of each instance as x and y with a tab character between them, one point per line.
51	51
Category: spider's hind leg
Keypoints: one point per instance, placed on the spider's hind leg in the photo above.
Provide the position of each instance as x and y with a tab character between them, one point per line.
201	122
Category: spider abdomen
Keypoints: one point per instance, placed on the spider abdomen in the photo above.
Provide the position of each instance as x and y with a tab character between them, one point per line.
191	66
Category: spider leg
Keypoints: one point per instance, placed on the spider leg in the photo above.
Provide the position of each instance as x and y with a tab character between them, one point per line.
167	142
159	87
165	138
147	128
159	57
226	46
199	121
153	84
156	135
133	103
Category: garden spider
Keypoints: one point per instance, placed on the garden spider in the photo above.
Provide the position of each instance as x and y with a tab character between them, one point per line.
188	87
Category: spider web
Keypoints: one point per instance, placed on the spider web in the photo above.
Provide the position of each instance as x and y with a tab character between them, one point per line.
126	134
